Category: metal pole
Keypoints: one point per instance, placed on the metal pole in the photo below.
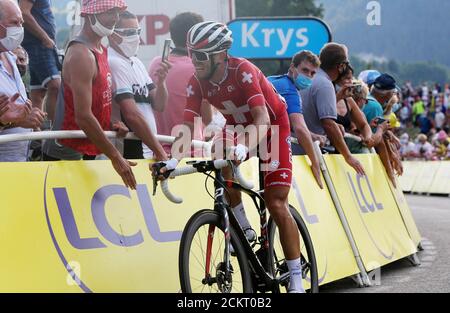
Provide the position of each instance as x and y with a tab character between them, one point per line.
79	134
342	217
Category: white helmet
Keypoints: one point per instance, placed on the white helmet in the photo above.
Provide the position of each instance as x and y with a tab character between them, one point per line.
209	37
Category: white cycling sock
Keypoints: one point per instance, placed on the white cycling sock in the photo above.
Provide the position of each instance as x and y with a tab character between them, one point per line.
295	271
239	212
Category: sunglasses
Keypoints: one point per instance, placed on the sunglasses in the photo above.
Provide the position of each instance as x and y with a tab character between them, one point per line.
128	32
200	56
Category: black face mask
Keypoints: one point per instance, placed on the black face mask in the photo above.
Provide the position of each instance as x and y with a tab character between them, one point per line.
341	74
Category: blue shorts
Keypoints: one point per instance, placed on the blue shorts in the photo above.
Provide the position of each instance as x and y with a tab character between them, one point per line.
43	66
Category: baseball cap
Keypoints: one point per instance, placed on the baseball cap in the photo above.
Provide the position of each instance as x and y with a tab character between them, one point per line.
385	82
369	76
90	7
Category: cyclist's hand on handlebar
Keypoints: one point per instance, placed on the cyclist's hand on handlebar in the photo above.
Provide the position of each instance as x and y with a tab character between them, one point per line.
238	154
162	170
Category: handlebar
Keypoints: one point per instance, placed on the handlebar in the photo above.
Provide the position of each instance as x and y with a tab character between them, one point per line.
199	167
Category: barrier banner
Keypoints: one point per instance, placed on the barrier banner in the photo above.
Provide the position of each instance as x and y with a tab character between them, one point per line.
405	212
74	227
334	256
441	182
426	177
411	171
371	210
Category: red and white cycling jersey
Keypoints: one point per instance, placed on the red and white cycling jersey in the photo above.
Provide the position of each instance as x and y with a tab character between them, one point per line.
245	87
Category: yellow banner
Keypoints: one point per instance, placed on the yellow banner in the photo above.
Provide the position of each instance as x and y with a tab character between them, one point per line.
74	227
371	211
441	182
425	177
411	171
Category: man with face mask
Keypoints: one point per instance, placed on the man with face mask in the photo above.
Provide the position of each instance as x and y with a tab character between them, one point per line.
319	101
135	94
16	116
303	68
87	84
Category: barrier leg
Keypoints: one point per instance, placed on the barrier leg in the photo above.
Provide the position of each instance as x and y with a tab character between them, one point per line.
363	276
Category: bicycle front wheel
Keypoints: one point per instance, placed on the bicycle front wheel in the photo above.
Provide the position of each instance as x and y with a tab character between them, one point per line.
201	259
308	257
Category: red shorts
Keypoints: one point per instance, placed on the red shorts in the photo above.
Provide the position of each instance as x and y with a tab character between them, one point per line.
275	152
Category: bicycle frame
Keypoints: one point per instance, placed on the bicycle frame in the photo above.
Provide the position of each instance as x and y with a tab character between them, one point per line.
265	280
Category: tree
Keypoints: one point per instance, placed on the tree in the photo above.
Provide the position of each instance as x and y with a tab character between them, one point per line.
278	8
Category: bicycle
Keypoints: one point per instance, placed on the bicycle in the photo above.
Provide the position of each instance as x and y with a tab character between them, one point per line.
244	271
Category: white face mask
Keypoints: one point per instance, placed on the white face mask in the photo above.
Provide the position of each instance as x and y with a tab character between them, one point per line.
129	45
13	39
101	30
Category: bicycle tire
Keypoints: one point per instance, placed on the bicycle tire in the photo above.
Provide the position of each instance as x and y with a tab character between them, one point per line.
197	221
308	247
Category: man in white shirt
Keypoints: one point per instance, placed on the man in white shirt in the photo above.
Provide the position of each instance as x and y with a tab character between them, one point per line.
135	94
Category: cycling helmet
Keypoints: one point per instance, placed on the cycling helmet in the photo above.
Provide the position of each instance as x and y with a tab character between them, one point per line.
209	37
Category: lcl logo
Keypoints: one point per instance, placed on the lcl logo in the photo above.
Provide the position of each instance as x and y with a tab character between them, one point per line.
98	210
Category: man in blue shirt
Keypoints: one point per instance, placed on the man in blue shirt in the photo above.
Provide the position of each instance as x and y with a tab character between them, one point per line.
39	42
301	72
382	91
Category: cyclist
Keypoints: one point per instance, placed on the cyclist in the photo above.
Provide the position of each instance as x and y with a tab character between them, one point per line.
240	91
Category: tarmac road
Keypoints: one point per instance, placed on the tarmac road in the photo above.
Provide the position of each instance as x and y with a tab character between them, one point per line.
432	215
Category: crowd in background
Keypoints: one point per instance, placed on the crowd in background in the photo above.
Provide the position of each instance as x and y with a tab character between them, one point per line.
398	122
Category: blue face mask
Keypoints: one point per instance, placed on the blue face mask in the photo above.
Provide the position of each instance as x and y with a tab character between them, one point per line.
302	82
396	107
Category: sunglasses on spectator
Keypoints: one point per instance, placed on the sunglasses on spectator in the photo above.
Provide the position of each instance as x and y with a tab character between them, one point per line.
128	32
200	56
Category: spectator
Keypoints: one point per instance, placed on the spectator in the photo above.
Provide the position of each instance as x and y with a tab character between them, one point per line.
407	147
39	41
418	109
302	70
424	149
16	117
441	145
368	77
134	92
351	117
439	119
320	100
178	78
22	60
87	87
382	91
405	114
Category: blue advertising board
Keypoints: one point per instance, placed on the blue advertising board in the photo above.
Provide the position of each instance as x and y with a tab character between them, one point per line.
277	38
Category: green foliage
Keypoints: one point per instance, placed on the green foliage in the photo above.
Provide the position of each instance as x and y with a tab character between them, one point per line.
417	72
278	8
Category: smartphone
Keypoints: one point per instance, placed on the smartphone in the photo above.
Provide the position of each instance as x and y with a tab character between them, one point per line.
380	121
166	50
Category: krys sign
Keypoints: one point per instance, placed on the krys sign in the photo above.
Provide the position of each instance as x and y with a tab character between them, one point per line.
277	38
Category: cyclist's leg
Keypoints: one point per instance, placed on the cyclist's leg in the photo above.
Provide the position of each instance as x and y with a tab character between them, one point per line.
277	181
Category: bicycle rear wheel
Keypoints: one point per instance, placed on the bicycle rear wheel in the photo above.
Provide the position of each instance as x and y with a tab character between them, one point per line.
308	258
201	258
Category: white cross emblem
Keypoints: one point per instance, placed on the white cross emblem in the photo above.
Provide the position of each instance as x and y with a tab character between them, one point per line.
247	78
237	112
190	92
284	175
